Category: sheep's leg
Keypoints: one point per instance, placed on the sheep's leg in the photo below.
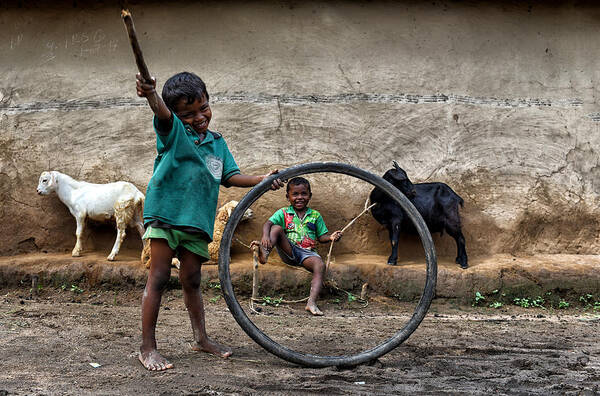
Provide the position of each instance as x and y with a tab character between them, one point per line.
121	228
394	230
145	256
137	222
139	226
461	250
80	219
124	214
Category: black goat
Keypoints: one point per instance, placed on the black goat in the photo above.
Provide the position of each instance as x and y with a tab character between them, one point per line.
436	202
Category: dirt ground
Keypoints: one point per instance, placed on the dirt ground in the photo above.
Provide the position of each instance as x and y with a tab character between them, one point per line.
49	342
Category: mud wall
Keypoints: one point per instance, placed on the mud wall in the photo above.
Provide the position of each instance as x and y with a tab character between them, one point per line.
497	99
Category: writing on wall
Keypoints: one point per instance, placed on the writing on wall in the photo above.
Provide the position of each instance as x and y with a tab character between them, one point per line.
82	44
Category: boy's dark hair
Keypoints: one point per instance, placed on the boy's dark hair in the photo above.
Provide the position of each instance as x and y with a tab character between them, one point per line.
184	85
296	181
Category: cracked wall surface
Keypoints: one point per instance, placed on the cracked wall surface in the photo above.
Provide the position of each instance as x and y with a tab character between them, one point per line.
497	99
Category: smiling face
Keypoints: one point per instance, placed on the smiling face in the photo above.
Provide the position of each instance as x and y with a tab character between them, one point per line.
196	114
299	195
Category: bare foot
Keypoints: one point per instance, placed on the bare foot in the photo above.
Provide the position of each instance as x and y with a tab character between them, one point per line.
263	254
212	347
313	309
153	361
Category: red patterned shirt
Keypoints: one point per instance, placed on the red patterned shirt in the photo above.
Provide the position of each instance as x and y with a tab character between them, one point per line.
303	232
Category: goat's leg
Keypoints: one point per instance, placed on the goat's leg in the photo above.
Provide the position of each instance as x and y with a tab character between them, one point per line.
394	230
461	250
121	228
80	219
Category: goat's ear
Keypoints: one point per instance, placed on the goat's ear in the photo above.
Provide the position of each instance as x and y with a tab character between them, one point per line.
395	164
52	179
229	210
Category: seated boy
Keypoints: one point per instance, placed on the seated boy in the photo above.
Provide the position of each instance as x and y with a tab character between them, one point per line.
294	231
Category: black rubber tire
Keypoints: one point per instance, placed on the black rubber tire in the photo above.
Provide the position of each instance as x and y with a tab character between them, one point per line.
310	360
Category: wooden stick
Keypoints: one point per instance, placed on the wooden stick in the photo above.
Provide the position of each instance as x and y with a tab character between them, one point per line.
135	45
137	53
344	229
364	291
255	273
34	285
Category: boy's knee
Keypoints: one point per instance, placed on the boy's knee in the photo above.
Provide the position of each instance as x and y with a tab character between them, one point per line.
319	266
277	234
190	281
158	279
315	264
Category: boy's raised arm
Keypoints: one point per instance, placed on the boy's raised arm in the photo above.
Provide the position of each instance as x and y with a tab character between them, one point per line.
147	89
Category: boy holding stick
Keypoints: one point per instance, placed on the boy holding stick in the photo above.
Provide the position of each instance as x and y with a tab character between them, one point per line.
181	202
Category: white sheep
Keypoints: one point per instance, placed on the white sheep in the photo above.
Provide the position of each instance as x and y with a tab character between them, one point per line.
213	248
101	202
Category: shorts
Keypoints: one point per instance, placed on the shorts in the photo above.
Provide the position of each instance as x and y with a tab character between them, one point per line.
299	254
195	243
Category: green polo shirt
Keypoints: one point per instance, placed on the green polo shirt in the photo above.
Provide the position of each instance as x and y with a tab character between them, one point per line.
184	187
303	232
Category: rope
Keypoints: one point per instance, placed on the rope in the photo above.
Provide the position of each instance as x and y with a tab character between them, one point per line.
242	243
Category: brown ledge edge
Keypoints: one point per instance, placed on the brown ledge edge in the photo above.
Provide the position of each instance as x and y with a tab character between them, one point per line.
512	276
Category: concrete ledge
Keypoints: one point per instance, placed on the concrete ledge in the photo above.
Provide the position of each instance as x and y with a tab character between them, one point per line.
518	276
